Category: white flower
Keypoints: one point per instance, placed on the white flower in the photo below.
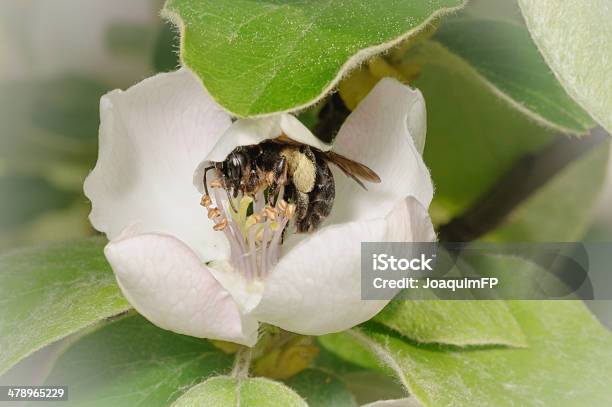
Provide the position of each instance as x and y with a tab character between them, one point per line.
184	276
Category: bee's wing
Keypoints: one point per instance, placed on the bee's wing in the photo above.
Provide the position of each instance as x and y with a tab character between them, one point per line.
351	168
286	141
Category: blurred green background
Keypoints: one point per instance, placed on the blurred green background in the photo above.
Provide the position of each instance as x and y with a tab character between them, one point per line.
57	57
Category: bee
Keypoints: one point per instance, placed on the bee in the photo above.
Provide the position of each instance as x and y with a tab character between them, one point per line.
300	171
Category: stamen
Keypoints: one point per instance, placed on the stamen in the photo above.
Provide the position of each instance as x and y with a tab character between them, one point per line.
282	205
270	213
213	213
254	239
206	201
221	225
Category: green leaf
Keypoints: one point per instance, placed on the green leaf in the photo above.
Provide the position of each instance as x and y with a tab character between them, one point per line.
503	54
260	57
561	210
50	292
472	135
321	389
575	39
350	349
132	362
459	323
567	363
224	391
365	385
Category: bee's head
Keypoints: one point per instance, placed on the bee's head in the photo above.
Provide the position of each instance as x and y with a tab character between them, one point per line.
234	169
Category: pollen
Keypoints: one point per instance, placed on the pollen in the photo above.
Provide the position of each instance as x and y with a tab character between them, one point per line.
221	225
206	201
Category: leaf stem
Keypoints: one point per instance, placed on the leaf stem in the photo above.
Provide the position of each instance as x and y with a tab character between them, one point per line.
242	363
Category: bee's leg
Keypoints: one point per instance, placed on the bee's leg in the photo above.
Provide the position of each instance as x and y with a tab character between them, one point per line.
302	203
205	180
252	183
278	177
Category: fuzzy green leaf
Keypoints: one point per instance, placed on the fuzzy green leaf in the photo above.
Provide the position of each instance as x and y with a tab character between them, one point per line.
459	323
567	362
575	38
503	54
321	389
131	362
50	292
259	57
474	137
224	391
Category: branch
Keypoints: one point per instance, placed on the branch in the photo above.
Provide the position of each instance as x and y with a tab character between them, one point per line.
525	177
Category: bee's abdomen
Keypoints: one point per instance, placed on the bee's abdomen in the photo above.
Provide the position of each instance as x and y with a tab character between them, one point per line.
321	199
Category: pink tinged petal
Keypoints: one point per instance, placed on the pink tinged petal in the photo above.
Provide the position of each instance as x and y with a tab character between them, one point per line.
152	137
245	132
167	283
316	288
381	133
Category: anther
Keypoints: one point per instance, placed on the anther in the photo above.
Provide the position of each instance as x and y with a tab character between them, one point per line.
206	201
257	218
221	225
213	213
270	213
282	205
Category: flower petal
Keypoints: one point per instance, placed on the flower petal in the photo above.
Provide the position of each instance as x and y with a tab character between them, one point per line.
316	288
381	133
167	283
246	132
152	137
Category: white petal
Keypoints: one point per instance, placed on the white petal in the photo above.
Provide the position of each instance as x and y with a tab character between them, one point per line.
245	132
381	134
167	283
247	294
152	138
316	288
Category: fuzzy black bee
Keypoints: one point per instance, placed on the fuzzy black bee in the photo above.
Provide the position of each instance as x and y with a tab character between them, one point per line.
302	170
